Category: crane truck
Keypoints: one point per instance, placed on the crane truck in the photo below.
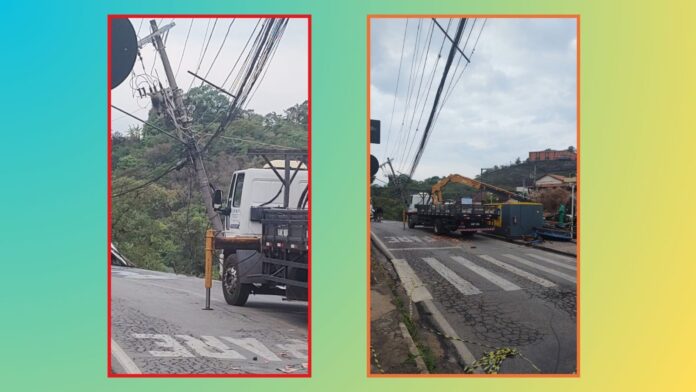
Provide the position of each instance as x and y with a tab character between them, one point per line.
265	242
431	210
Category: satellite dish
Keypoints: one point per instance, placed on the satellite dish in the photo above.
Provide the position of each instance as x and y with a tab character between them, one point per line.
124	49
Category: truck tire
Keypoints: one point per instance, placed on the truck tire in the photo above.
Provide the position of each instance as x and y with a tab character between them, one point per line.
235	292
411	222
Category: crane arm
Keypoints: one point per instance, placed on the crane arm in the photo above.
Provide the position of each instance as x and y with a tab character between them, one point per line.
459	179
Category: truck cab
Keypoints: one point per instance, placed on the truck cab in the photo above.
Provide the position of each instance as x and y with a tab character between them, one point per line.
254	188
264	241
421	198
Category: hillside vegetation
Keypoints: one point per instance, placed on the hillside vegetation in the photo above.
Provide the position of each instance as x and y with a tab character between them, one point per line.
161	226
522	173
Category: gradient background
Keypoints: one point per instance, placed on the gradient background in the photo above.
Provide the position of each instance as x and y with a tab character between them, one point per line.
638	92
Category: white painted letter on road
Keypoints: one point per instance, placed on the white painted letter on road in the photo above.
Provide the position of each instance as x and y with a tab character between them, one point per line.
165	341
295	348
254	346
210	347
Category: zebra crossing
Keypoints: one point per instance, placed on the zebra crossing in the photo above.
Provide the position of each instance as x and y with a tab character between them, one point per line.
461	272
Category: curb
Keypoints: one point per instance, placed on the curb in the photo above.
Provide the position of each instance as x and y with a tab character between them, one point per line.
436	316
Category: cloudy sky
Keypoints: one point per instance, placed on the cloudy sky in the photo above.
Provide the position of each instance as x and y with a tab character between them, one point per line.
517	95
284	85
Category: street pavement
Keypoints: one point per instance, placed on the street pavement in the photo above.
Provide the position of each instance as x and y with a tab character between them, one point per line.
495	294
159	327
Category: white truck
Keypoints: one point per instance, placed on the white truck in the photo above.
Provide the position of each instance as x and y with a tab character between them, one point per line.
265	241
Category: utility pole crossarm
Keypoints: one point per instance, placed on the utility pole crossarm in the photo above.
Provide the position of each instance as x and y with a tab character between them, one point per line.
151	38
451	40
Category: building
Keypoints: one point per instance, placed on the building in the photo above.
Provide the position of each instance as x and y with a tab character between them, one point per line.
554	181
552	155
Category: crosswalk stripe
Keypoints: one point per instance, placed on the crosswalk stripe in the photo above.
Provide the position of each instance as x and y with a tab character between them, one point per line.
486	274
462	285
515	270
554	262
542	268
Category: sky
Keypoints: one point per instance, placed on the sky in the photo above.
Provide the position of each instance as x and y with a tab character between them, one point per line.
284	85
517	95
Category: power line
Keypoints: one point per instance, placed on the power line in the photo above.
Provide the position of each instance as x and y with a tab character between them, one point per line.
396	92
147	123
418	94
183	52
265	70
450	86
219	50
177	165
203	48
249	141
425	101
408	91
461	74
428	126
242	52
273	28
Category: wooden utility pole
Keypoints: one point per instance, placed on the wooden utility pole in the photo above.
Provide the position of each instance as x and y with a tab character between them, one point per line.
182	122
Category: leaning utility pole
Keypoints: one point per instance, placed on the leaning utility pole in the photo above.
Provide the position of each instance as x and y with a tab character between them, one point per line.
182	122
397	181
438	93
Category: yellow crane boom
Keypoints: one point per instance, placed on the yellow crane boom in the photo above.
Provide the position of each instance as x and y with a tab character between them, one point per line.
478	185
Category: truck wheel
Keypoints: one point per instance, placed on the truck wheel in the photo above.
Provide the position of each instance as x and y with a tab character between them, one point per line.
411	222
235	292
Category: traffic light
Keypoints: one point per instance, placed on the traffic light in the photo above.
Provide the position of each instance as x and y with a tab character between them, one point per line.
374	139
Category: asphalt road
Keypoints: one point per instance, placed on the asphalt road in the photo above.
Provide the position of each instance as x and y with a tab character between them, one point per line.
159	327
495	294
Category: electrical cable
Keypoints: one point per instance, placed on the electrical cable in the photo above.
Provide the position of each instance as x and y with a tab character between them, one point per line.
396	92
183	52
219	50
200	56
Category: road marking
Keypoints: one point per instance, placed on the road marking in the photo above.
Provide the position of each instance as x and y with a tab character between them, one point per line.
542	268
295	348
165	341
443	247
486	274
554	262
412	284
138	275
408	239
123	359
462	285
211	347
203	347
254	346
522	273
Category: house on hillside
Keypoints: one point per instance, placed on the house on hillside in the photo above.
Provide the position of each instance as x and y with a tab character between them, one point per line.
554	181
